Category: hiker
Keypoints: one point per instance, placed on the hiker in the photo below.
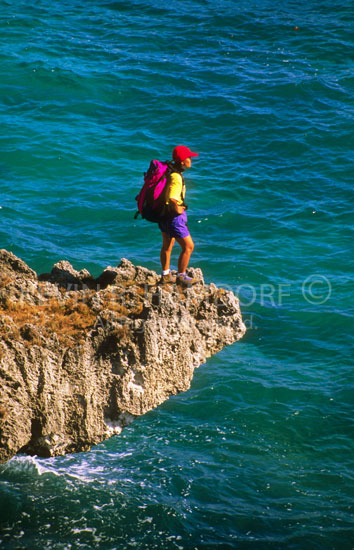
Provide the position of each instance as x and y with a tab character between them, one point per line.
174	228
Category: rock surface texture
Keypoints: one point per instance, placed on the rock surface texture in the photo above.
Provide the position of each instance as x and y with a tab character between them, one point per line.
81	357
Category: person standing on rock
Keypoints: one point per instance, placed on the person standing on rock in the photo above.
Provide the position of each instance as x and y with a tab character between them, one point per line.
175	227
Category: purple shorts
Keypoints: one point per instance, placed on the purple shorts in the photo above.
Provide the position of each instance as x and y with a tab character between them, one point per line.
176	227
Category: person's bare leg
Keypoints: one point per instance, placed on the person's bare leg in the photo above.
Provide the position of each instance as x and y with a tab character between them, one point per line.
165	254
187	246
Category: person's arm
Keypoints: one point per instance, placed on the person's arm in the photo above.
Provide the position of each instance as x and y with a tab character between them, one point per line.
175	194
175	208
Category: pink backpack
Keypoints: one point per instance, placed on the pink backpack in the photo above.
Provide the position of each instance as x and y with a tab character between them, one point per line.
151	198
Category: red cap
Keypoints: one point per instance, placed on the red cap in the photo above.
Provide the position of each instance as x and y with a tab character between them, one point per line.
181	153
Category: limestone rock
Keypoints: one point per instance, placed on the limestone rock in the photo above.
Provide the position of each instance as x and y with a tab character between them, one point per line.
80	357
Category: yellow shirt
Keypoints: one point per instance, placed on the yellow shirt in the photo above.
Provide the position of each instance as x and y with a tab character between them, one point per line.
176	189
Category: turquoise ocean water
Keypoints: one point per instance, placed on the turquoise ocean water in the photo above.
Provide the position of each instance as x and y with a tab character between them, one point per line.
259	453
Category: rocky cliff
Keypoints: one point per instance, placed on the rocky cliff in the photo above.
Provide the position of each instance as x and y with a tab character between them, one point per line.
81	357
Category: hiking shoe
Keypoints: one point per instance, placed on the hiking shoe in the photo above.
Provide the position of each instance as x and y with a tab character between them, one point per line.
167	279
184	280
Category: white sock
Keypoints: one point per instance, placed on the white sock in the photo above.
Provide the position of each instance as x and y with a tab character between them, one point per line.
179	274
166	271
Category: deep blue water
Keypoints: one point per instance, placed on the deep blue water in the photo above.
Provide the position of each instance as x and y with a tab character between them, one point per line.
259	453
